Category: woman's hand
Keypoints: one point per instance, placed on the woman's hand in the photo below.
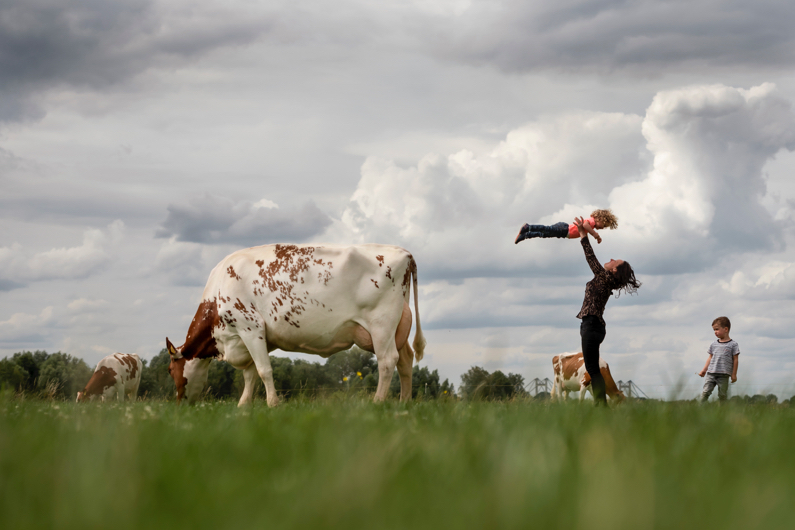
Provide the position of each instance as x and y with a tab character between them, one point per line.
578	221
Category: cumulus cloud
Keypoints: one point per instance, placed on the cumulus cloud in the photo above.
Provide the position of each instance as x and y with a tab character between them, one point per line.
18	265
219	220
686	182
24	328
704	194
446	205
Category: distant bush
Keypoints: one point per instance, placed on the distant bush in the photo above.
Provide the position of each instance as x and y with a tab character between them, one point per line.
57	375
478	383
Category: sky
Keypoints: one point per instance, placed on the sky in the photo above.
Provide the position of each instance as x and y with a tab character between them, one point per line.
141	141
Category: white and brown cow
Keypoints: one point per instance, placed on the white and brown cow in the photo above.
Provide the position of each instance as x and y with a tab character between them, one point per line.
571	376
302	298
115	375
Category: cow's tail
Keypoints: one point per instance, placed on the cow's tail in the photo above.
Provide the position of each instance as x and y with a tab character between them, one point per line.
419	339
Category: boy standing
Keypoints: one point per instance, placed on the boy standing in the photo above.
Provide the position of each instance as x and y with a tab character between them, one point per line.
722	361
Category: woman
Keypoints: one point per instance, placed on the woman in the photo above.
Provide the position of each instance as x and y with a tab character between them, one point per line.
615	275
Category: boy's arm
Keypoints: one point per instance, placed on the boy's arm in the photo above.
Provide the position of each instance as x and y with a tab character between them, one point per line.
703	371
588	228
734	368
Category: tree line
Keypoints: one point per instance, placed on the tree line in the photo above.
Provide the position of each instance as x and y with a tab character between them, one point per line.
60	376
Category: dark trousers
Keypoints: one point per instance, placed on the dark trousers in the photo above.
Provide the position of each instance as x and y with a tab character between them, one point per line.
592	332
556	230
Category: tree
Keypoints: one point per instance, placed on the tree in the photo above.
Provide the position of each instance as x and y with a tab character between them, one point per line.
21	371
221	379
63	375
478	383
424	384
156	382
12	375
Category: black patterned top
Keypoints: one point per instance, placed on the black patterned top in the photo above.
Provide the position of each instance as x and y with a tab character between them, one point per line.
598	290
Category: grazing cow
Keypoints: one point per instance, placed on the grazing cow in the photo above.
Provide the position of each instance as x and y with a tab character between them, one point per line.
570	375
302	298
115	375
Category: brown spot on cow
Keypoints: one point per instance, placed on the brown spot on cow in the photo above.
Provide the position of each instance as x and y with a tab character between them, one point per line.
232	273
129	361
101	380
374	282
411	268
200	342
380	260
389	274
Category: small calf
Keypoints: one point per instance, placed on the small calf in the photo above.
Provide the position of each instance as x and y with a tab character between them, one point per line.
115	375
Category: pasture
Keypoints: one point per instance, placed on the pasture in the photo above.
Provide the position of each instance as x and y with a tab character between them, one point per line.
344	462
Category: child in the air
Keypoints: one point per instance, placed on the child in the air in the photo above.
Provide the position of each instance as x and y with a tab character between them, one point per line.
599	219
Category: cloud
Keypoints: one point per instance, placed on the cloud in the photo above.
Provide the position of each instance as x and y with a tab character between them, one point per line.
703	197
219	220
23	328
85	305
18	266
604	36
687	191
95	44
182	263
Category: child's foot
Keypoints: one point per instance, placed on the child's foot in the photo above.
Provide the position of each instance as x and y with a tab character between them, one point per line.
522	232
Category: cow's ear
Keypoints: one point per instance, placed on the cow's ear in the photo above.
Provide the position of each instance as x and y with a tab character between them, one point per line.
172	351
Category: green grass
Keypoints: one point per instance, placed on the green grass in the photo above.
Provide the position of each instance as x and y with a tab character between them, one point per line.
348	463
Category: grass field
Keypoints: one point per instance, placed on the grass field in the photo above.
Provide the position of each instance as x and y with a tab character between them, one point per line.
348	463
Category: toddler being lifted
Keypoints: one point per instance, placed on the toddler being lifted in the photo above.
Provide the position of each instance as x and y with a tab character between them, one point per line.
599	219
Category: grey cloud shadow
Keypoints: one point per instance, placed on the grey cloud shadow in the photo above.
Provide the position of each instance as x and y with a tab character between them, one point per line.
10	285
644	38
95	44
218	220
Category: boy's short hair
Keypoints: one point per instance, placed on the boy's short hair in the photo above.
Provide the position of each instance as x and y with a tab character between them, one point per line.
723	322
606	217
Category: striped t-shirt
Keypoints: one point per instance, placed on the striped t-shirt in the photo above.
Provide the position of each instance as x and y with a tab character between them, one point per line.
722	356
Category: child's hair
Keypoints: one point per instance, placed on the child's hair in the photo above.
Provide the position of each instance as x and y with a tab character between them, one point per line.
723	322
606	217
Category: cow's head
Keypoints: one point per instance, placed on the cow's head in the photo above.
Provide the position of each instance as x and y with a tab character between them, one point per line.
185	373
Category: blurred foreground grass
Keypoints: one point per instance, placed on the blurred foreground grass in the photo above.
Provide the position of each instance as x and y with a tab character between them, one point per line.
348	463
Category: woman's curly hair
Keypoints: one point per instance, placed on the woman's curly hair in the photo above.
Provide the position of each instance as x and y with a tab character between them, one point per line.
625	279
606	217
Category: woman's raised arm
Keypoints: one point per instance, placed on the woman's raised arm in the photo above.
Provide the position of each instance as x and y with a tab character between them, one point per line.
590	257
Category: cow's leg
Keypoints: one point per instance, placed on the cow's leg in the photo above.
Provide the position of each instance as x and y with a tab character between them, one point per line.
249	376
387	355
258	349
404	366
120	391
